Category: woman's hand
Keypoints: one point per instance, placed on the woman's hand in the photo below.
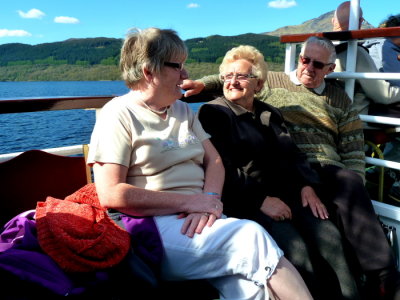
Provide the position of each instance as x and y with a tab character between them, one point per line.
203	203
195	223
201	210
276	209
310	198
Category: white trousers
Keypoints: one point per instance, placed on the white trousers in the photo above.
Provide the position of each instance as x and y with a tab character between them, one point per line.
237	256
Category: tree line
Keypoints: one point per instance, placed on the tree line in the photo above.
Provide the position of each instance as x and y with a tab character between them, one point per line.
97	58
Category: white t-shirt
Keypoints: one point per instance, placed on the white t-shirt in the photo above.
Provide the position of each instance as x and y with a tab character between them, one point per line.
162	155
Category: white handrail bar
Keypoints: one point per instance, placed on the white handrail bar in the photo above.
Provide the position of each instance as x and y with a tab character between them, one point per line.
383	163
380	120
351	67
354	14
387	211
290	57
354	18
360	75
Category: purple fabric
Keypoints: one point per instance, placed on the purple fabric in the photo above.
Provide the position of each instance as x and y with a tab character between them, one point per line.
21	255
20	232
146	241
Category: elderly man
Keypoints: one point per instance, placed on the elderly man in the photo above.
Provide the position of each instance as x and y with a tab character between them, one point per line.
326	127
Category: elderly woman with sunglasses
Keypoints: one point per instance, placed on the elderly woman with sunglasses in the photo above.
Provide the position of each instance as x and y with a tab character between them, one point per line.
325	126
267	178
151	158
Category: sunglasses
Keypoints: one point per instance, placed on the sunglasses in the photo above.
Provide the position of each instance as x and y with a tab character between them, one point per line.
178	66
316	64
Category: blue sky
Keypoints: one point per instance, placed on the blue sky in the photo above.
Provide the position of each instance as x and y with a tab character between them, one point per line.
46	21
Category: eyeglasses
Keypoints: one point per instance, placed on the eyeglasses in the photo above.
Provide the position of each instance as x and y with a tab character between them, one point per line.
317	64
239	77
178	66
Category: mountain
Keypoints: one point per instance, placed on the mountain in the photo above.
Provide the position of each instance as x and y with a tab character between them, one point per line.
105	51
322	23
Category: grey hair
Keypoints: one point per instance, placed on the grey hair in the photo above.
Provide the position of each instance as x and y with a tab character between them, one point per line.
149	48
323	42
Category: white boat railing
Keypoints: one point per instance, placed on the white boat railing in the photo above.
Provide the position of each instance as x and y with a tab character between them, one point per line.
65	151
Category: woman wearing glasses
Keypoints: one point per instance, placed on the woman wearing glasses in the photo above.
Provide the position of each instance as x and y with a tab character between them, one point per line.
151	158
267	179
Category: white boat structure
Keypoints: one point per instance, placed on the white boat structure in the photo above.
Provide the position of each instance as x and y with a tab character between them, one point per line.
389	214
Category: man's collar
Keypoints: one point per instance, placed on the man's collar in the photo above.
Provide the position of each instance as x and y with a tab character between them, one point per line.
293	78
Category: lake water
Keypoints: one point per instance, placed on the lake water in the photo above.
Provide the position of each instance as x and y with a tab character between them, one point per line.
41	130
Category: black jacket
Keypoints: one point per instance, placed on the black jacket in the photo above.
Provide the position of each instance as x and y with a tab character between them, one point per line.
259	156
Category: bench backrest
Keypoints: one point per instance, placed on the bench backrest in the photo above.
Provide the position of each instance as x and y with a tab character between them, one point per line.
33	175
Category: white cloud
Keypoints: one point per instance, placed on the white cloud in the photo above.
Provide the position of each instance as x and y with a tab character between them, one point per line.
282	3
32	14
193	5
7	32
66	20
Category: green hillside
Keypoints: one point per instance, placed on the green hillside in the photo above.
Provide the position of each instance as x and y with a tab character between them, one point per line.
213	48
97	58
91	51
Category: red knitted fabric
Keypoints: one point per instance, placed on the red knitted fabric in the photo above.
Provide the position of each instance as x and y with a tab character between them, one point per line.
78	234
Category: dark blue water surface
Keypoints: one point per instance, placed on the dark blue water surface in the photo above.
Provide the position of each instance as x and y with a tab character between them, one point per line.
41	130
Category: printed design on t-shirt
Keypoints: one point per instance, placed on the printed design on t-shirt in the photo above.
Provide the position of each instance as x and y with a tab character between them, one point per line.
175	143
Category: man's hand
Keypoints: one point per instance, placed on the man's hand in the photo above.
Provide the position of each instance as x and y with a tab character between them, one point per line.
192	87
310	198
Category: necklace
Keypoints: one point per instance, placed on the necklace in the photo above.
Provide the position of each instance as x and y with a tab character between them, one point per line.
158	112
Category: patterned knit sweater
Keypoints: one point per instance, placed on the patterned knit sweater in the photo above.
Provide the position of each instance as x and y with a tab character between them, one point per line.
325	127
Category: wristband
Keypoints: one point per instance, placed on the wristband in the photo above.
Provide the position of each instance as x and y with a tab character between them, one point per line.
212	193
